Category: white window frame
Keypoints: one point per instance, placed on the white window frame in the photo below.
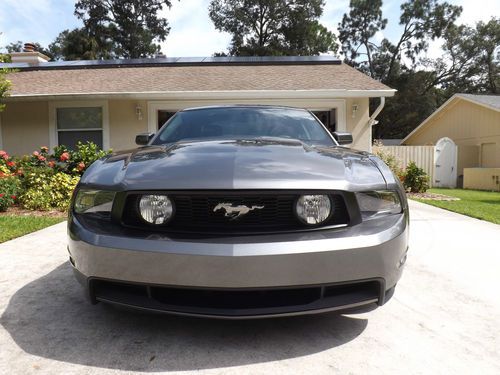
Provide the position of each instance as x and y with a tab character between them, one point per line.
311	104
53	131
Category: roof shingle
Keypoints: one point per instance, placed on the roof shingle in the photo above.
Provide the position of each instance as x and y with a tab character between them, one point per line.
121	80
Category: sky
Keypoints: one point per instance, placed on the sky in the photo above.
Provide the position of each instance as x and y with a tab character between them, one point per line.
192	33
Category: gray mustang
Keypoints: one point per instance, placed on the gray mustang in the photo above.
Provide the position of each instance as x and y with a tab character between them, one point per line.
239	212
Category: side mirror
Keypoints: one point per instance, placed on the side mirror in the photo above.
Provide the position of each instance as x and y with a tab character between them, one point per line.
343	138
143	138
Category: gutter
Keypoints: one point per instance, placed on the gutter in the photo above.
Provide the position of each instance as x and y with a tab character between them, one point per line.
371	120
212	95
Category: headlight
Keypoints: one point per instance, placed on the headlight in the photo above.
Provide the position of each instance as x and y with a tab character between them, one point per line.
374	204
156	209
313	209
93	201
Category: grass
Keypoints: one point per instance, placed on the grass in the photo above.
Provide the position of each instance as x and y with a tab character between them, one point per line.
482	205
12	226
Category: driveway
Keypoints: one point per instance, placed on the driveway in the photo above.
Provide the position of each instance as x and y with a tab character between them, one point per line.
443	319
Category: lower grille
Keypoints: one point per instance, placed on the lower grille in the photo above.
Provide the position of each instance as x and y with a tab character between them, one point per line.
196	213
237	302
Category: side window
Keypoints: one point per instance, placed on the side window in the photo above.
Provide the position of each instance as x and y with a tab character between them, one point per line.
82	124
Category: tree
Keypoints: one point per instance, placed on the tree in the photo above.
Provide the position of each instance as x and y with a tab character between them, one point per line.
134	26
488	41
421	21
4	83
272	27
19	45
357	30
78	44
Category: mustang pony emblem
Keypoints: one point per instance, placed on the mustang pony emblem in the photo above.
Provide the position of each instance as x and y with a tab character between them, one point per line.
234	212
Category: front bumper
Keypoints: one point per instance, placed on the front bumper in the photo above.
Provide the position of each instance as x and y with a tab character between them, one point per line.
273	274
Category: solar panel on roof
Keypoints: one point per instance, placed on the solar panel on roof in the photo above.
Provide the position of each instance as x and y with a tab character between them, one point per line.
176	61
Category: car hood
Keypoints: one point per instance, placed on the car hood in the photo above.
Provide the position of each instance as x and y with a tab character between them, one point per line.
236	164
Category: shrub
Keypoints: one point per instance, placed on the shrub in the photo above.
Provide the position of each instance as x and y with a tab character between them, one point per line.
46	189
416	180
77	161
46	181
391	160
9	189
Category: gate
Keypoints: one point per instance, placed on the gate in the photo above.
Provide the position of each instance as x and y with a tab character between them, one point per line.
445	163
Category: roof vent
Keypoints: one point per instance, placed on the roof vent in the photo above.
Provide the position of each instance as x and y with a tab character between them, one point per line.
29	55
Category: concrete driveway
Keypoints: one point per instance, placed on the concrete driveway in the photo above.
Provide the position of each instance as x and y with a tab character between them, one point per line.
443	319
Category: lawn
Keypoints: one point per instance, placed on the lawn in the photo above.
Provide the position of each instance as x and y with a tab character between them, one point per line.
12	226
483	205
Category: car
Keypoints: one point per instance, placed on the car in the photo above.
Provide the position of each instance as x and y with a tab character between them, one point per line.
239	212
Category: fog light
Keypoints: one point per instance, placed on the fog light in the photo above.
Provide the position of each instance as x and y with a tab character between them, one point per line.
313	209
156	209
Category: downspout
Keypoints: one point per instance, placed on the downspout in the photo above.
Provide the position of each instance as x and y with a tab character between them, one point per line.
371	120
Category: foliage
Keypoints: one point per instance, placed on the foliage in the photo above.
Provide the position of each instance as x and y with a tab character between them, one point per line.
46	181
132	26
416	180
4	82
358	28
484	205
390	159
78	44
45	190
15	226
9	190
272	27
468	62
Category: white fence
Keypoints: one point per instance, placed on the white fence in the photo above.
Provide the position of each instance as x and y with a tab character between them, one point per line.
423	156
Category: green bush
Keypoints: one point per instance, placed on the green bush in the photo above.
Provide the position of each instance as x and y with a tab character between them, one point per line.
45	181
9	189
391	160
415	180
46	189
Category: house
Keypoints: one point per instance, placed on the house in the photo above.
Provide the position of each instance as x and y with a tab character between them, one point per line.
109	102
472	122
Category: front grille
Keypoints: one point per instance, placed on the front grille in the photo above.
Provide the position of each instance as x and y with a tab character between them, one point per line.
237	302
195	213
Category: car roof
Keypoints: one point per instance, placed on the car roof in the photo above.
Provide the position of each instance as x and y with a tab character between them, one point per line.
225	106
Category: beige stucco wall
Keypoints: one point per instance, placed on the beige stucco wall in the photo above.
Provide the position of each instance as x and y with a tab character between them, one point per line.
467	124
357	124
124	124
25	127
482	178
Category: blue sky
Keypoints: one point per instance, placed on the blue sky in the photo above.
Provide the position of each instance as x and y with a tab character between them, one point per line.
192	32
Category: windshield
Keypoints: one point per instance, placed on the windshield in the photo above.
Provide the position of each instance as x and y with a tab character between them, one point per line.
244	123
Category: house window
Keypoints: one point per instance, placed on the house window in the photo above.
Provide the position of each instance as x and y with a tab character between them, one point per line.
82	124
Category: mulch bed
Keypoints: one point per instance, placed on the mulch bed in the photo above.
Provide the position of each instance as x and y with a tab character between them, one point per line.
432	196
18	211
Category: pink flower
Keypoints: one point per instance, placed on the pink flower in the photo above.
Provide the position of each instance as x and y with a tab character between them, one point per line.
11	164
64	156
5	156
2	153
81	166
36	153
41	158
1	195
13	197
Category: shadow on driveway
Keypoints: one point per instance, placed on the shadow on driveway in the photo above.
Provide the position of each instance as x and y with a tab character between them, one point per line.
49	317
